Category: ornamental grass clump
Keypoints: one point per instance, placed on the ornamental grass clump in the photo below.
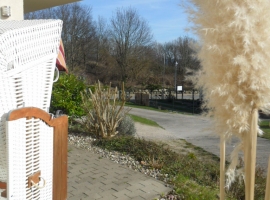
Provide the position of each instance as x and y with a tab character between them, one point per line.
235	57
104	111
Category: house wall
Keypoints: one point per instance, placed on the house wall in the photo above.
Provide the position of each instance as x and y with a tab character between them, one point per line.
16	9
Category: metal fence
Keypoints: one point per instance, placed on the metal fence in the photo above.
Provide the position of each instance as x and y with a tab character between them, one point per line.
181	102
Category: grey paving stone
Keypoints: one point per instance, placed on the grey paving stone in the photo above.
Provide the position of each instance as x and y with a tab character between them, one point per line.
90	177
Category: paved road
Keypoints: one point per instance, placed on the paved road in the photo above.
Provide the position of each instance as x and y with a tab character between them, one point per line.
195	129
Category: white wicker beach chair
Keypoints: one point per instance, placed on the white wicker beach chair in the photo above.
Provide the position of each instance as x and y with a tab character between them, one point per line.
30	149
28	51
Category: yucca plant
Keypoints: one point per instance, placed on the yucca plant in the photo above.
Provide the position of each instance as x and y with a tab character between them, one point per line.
104	111
235	39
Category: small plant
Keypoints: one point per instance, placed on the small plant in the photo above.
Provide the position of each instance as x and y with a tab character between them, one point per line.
103	111
126	126
75	127
155	163
192	155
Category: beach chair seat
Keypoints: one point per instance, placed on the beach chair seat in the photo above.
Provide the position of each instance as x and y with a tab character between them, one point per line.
28	52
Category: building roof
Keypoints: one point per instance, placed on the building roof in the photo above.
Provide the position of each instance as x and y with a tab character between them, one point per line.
34	5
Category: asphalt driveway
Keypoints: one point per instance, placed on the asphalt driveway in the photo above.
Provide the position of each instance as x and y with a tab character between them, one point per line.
196	129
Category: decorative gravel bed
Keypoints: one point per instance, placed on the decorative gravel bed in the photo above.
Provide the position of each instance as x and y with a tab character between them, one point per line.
84	141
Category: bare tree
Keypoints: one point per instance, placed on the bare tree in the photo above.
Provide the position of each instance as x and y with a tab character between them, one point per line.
159	67
102	43
181	51
102	65
129	35
186	53
78	31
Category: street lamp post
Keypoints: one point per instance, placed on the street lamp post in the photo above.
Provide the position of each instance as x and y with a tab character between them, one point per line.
175	76
163	92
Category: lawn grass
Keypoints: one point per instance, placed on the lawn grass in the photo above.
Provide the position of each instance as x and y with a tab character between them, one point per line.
190	189
143	120
193	175
264	125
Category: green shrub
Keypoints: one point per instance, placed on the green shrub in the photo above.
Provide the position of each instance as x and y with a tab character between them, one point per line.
126	126
66	95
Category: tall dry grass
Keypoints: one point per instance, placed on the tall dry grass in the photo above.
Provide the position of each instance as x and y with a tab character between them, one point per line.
235	46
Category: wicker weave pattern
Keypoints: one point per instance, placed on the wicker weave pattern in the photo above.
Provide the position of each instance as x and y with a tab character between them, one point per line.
29	88
28	51
16	142
30	146
32	152
3	158
37	89
46	160
7	102
26	41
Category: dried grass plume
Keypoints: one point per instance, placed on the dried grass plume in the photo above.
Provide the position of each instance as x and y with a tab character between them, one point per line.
235	56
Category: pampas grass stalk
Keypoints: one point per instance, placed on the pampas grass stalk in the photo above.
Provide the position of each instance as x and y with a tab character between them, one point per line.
234	54
222	168
250	145
267	191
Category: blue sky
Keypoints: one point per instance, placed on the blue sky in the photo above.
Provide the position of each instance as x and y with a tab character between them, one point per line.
166	18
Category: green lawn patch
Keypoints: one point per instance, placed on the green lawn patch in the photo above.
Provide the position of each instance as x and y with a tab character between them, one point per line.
191	189
264	125
143	120
132	105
